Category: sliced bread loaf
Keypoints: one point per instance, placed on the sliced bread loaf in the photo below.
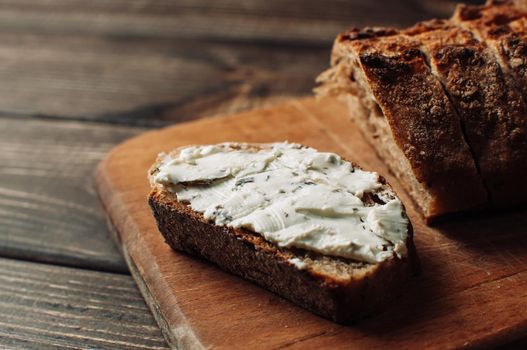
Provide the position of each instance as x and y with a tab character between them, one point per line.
444	104
306	225
492	112
403	111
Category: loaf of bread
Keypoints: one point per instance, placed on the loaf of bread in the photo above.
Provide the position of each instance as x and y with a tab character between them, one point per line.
443	103
304	224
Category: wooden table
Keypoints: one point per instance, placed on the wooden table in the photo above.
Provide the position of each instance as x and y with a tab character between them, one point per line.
78	77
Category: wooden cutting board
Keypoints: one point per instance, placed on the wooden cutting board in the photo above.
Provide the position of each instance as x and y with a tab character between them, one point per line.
472	291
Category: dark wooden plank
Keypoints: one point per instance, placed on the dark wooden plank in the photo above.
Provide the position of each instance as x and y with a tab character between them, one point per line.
303	21
147	81
48	207
49	307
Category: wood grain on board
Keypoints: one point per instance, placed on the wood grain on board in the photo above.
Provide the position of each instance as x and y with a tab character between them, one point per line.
472	291
50	307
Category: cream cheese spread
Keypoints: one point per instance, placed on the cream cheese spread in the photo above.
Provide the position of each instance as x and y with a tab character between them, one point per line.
294	196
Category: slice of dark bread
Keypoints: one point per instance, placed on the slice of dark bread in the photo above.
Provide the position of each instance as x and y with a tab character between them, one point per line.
337	288
403	111
493	113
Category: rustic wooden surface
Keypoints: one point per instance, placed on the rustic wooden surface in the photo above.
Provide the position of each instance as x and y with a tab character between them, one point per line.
48	210
472	292
87	309
78	77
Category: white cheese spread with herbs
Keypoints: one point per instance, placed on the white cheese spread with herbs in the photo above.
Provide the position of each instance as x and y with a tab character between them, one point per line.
294	196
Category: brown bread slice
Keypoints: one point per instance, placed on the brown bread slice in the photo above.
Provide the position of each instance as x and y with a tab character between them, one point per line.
493	113
402	110
340	289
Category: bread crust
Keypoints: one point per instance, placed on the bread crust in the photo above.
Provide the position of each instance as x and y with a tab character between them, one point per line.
503	27
362	288
492	112
422	120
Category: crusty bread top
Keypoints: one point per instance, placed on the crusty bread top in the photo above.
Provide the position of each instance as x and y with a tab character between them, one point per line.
413	101
492	111
423	121
454	93
492	13
503	27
